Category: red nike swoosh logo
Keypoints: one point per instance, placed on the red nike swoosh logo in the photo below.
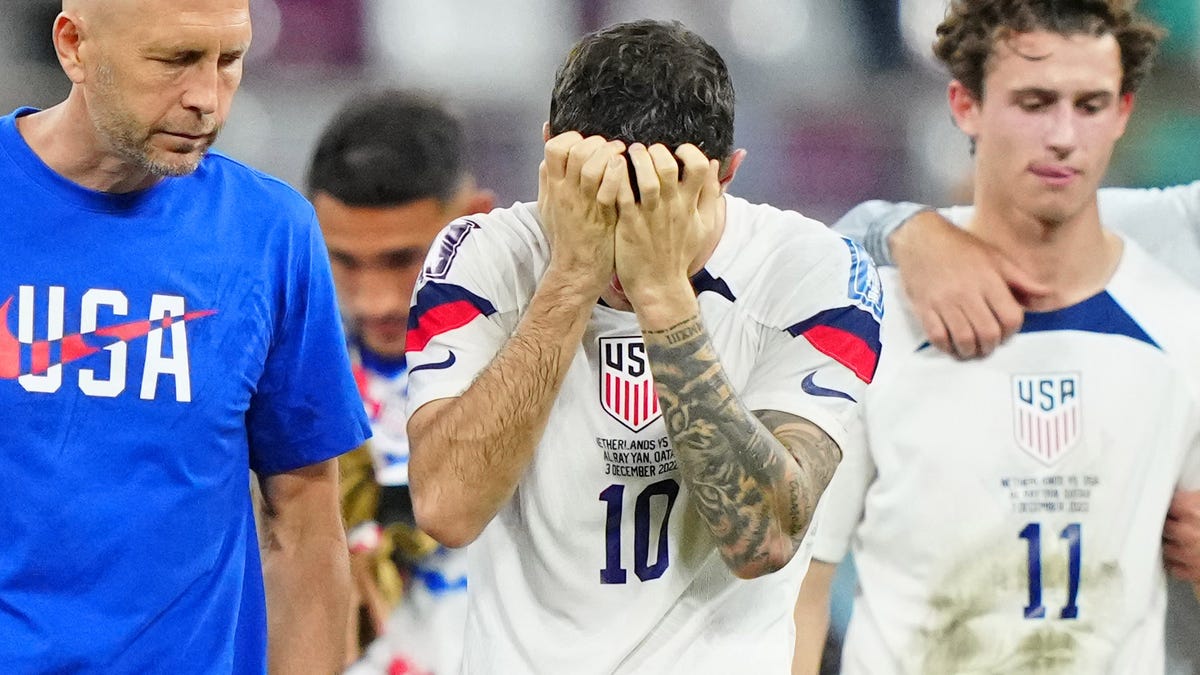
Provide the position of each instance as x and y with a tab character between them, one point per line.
73	347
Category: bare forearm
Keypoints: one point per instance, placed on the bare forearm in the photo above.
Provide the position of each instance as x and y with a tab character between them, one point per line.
812	618
306	570
755	494
308	593
468	457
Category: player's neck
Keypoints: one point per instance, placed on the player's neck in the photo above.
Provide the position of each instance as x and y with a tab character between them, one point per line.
64	138
1075	257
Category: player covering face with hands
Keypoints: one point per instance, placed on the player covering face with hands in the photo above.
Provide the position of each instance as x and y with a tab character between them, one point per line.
608	394
638	248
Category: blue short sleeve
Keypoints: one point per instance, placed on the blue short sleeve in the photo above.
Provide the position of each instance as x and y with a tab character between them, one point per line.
306	408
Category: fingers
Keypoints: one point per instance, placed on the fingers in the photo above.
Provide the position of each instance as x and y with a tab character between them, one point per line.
1022	285
985	327
936	331
962	332
1008	314
1185	505
1181	536
971	318
556	152
615	182
645	175
711	189
595	168
578	155
666	168
1180	562
627	199
1176	534
697	172
1018	288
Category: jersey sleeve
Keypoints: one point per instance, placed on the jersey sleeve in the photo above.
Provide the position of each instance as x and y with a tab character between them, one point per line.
871	222
306	408
1175	210
460	314
818	363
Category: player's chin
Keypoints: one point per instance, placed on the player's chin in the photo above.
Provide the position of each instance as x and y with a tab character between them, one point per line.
175	164
388	346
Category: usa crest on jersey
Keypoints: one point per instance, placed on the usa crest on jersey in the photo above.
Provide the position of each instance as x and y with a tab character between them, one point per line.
1046	414
626	386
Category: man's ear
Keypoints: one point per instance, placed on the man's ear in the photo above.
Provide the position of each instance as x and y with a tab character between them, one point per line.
546	131
68	38
481	201
964	108
730	166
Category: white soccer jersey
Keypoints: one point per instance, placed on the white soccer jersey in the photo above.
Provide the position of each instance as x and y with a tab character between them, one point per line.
1165	222
598	564
1007	514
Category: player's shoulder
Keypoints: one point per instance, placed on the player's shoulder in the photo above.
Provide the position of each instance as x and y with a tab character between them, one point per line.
778	232
786	266
500	254
514	230
1158	299
1183	198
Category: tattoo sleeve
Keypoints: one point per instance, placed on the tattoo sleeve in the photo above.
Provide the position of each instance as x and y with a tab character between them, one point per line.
756	477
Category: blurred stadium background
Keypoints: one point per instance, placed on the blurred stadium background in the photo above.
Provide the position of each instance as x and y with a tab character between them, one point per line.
837	101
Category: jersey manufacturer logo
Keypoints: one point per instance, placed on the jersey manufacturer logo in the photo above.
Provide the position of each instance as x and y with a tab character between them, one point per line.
626	385
813	389
1046	414
439	365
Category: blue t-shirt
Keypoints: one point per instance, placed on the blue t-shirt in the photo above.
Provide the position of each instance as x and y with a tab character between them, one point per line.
154	347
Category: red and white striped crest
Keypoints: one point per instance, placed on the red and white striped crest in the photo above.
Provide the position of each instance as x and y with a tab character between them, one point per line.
626	385
1046	414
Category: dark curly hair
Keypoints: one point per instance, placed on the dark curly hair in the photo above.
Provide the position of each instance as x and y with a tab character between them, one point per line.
646	82
966	38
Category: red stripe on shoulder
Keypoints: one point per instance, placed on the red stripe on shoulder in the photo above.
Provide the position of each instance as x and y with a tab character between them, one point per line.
438	320
846	348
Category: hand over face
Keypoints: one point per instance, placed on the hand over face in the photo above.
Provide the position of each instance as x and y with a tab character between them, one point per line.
578	182
662	234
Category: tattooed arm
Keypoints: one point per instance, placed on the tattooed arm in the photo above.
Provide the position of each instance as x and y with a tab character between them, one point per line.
756	477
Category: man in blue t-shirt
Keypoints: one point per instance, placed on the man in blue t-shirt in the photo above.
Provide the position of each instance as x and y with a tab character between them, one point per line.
167	324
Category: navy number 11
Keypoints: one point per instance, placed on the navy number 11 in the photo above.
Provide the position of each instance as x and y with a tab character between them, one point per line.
1033	535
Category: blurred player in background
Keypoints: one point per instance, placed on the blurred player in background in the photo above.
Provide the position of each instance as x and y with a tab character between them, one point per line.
630	395
167	325
1011	507
388	173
